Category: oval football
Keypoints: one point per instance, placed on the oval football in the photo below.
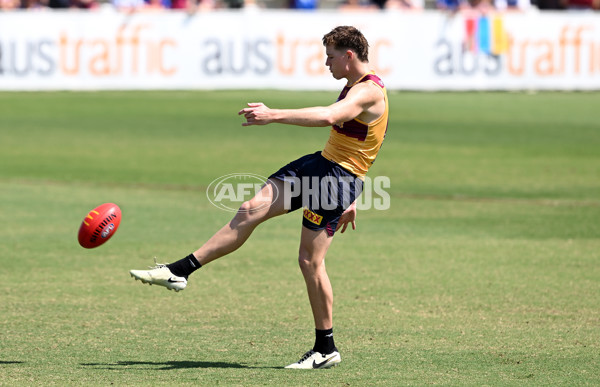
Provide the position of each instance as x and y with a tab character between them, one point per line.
99	225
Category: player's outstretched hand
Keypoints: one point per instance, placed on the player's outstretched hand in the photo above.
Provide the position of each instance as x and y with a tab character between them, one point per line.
257	113
348	216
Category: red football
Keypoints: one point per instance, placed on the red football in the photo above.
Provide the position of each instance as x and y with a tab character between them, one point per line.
99	225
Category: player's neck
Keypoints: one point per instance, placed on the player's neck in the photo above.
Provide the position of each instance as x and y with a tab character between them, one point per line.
356	74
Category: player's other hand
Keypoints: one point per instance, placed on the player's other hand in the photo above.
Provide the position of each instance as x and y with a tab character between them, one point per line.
257	113
348	216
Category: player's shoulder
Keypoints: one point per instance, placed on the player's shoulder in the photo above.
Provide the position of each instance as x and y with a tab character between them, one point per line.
373	79
368	90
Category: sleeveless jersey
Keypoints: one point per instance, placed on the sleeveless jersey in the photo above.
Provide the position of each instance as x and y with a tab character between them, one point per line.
354	144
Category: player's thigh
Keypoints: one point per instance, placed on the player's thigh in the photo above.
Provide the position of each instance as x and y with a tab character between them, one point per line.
313	246
269	201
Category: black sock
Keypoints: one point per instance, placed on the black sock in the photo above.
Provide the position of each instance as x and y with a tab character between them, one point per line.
324	341
184	267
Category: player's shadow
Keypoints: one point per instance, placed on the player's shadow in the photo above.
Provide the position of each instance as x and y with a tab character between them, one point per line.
167	365
10	362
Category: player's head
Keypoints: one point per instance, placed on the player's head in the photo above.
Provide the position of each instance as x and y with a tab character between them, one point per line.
348	38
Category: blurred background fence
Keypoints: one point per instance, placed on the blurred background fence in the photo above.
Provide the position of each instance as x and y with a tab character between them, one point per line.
267	45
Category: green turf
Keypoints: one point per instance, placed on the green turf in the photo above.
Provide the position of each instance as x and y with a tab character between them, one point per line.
484	271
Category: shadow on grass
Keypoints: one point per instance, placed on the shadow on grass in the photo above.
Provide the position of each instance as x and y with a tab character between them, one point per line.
10	362
167	365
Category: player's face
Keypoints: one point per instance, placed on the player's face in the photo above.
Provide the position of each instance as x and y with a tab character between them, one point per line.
337	61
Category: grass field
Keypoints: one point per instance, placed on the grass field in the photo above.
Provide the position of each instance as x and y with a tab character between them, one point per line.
484	271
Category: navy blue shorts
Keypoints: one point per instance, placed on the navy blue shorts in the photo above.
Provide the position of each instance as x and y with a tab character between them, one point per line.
321	187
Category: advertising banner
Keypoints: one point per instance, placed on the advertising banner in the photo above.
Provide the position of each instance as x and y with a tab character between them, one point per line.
282	49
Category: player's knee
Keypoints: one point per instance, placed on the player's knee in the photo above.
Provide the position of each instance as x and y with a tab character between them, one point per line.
244	213
306	261
249	212
304	264
245	208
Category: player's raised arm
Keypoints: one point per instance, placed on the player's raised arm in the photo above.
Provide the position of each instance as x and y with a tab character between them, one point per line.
358	101
260	114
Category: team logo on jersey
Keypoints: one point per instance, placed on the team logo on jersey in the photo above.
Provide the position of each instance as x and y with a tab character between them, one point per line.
312	217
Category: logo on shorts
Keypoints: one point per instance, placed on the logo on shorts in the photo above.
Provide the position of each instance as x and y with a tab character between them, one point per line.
312	217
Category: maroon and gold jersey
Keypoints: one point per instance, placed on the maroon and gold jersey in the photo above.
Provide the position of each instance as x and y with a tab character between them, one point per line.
354	144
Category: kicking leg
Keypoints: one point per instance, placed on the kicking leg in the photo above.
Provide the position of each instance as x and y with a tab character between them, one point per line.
267	203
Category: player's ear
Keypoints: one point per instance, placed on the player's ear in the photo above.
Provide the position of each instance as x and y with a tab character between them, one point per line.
349	54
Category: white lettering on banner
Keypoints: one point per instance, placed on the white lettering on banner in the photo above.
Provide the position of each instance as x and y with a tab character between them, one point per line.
271	49
22	59
74	55
501	50
238	58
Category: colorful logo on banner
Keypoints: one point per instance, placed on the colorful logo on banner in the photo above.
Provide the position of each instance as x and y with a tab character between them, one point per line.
485	34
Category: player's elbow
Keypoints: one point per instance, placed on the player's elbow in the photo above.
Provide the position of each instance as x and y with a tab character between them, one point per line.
329	119
334	115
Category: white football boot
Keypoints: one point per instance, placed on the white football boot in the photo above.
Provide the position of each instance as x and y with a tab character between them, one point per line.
160	275
315	360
